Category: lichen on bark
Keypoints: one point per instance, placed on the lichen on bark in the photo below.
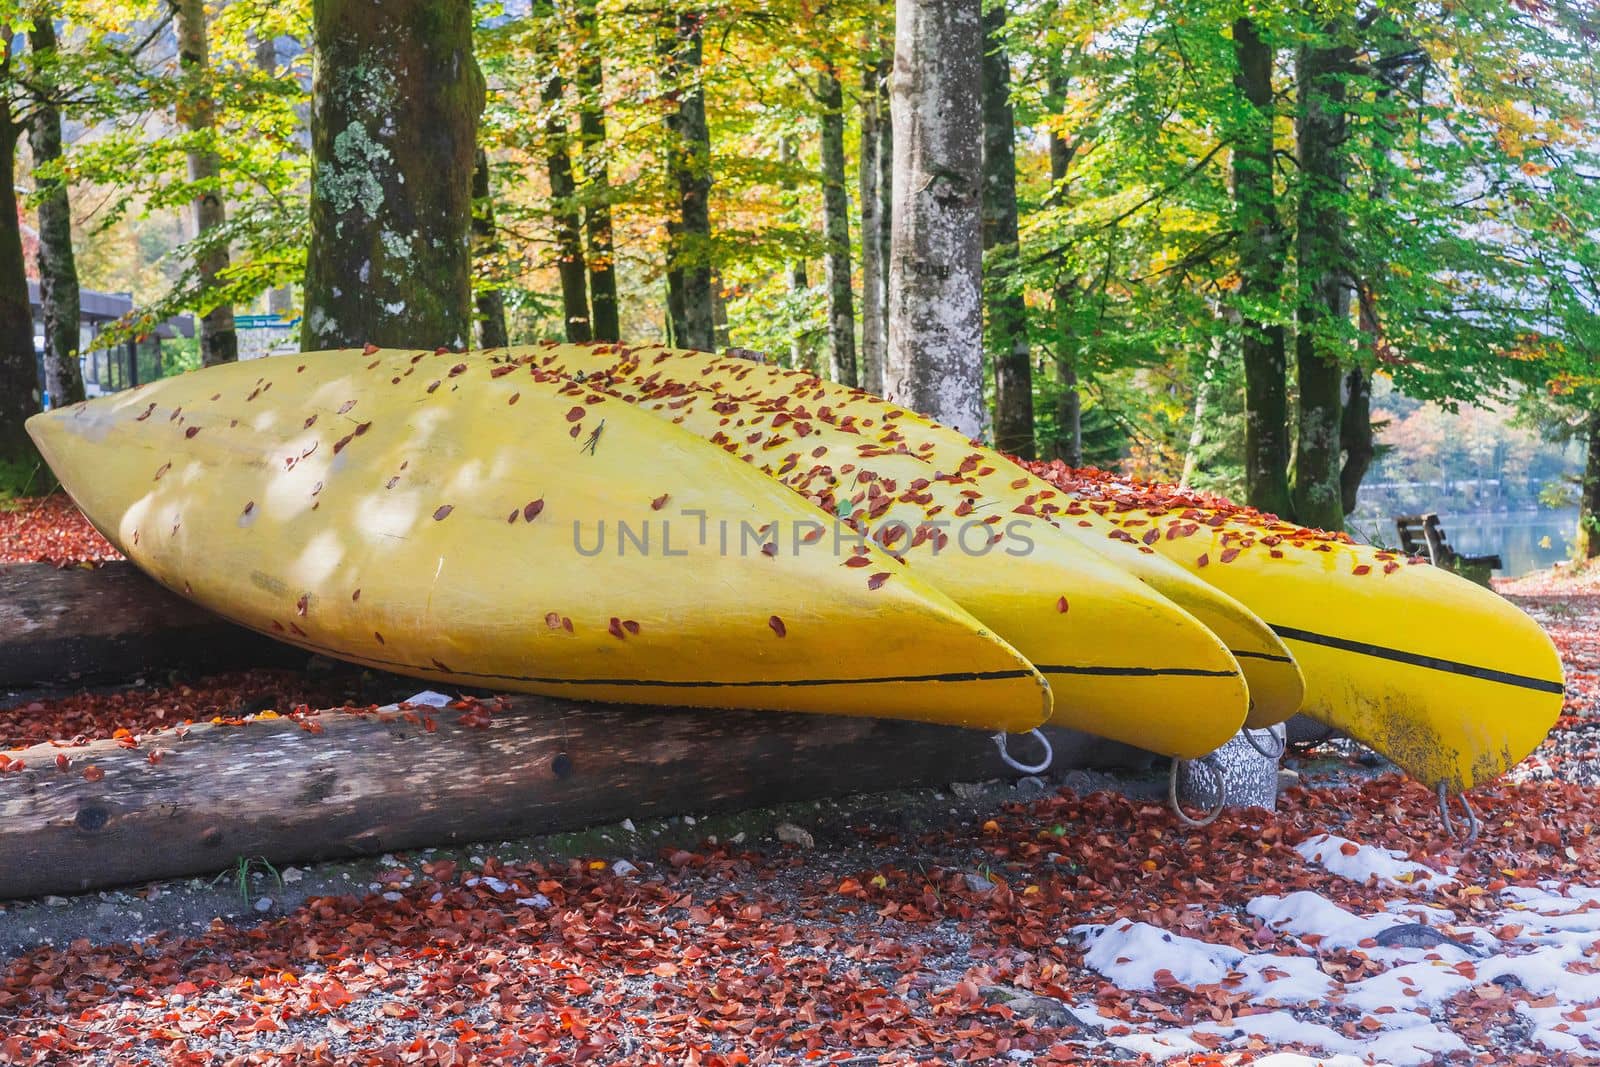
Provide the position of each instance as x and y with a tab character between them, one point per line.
395	108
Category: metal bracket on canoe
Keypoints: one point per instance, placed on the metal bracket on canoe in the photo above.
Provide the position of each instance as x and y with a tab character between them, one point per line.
1215	771
1279	742
1469	828
1010	761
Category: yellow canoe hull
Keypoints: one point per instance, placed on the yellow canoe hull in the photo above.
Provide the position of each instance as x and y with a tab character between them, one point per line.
439	516
1447	679
1125	662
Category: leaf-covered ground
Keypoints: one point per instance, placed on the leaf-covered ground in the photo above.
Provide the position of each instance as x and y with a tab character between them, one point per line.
954	943
49	530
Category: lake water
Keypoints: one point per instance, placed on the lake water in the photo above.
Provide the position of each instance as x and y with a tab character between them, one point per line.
1525	540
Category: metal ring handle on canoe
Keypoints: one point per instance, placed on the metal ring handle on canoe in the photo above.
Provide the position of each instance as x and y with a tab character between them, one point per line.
1276	752
1469	829
1025	768
1210	765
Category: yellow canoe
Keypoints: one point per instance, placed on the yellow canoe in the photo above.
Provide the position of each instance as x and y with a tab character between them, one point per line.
1125	662
439	516
1447	679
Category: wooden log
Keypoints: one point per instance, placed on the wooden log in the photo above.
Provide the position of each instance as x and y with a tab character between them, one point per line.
80	624
366	784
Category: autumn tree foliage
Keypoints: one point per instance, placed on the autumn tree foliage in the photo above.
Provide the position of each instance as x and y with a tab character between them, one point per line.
1204	230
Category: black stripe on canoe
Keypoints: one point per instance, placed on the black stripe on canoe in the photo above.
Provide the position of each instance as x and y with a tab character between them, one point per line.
1271	657
792	683
1140	672
1415	659
667	683
785	683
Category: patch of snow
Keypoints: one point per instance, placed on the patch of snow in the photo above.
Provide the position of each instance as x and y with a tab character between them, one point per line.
1561	1028
1364	863
1311	913
1130	954
1413	985
1271	979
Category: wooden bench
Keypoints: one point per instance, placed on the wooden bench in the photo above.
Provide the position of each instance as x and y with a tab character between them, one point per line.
1422	535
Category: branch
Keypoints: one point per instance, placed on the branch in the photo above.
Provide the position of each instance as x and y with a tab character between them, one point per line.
1159	194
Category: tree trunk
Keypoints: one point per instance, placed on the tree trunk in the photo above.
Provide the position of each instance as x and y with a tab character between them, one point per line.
1261	262
1323	307
564	213
20	465
836	226
280	298
1355	436
1008	313
1069	403
935	355
219	343
1588	542
490	300
394	119
885	198
689	165
872	263
597	181
1203	390
58	269
800	354
720	331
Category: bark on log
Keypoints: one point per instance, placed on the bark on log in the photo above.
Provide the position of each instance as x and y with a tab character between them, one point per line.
82	625
366	785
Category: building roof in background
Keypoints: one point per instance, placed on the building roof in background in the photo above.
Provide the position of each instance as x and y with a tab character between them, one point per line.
96	309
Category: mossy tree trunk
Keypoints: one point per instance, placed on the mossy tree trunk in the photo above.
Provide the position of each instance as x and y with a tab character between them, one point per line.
394	122
935	355
19	374
597	227
836	227
490	301
1261	248
689	167
58	269
1323	308
20	465
219	343
1008	314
